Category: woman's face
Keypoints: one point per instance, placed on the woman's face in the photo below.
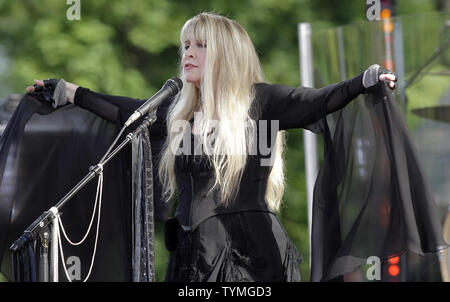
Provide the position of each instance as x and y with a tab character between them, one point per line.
193	60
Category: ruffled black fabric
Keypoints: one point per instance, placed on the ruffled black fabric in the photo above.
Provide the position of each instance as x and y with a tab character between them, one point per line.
219	251
371	197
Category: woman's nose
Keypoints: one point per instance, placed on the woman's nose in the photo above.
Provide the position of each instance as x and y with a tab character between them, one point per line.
190	53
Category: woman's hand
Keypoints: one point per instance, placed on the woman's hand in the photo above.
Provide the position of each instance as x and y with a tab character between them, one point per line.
70	89
376	73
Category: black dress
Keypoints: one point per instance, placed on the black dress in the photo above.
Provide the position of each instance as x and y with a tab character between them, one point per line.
246	241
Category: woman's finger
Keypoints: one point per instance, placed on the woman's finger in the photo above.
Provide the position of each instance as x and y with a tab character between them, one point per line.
39	82
36	82
392	85
388	76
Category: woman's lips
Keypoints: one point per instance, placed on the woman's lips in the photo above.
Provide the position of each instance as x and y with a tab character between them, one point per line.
189	66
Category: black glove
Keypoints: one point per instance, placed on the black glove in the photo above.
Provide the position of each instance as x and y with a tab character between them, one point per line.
53	92
371	76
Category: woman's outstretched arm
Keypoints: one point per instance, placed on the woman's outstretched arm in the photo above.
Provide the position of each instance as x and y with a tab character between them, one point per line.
297	107
115	109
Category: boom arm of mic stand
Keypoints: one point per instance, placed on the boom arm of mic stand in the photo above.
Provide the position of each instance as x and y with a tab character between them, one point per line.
437	52
44	220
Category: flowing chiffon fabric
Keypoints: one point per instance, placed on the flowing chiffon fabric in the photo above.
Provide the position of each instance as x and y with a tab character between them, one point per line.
371	197
43	153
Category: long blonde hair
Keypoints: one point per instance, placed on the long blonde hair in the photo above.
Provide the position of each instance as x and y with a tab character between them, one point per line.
231	69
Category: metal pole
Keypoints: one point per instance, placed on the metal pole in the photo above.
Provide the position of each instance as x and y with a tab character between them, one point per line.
54	246
309	138
340	37
399	63
43	258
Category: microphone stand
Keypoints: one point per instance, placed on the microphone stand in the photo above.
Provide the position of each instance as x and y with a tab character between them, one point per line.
40	227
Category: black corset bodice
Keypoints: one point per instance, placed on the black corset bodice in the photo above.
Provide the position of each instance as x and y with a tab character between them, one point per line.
195	177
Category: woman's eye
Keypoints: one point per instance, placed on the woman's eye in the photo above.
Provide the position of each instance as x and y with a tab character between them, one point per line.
186	47
201	45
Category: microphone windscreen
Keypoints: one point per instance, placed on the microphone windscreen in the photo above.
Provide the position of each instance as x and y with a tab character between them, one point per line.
175	84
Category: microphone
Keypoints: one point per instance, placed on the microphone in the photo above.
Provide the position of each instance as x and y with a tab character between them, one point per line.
171	87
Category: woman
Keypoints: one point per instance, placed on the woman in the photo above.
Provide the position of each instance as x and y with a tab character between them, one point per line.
226	227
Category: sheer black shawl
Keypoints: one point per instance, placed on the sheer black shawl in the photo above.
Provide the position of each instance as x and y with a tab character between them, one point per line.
43	153
371	196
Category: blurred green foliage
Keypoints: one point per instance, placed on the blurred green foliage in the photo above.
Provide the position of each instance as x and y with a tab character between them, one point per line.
131	47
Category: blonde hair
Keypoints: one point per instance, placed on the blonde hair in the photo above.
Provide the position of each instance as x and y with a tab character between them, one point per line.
231	69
